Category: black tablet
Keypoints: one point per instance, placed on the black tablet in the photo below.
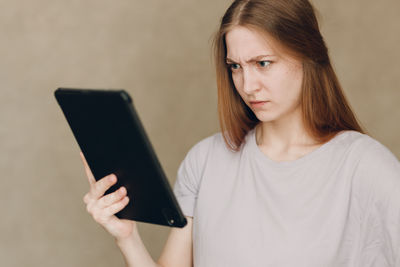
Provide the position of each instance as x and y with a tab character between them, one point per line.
112	138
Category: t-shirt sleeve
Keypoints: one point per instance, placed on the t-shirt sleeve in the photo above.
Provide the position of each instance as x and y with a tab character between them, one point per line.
379	169
189	176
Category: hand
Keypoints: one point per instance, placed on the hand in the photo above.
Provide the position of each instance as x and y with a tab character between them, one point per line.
102	208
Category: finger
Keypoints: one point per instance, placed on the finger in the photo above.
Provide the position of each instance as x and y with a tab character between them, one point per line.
86	198
89	173
112	198
102	185
116	207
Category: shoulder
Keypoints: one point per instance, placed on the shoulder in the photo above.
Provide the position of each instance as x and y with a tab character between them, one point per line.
369	151
375	153
200	153
378	167
373	162
364	146
207	145
192	167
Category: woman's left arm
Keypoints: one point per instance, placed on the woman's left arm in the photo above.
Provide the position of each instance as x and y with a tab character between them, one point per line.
378	173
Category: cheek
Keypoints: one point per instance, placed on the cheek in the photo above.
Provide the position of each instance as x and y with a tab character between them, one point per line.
289	86
296	83
237	82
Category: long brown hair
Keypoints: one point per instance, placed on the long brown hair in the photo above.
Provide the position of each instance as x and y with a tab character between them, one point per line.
293	24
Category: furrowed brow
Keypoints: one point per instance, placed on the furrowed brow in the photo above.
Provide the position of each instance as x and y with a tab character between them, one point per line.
257	58
228	60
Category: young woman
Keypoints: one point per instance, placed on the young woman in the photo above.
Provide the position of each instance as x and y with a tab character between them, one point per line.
292	179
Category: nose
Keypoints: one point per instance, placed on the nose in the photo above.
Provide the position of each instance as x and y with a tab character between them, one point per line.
250	81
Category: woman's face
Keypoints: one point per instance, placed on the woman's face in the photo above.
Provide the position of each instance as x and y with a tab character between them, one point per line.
269	83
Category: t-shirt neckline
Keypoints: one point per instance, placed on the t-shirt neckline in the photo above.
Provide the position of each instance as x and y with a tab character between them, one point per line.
292	163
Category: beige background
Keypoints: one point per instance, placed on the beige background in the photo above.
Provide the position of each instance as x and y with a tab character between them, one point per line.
159	51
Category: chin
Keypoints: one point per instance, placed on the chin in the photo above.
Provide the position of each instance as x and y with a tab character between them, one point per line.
265	116
273	115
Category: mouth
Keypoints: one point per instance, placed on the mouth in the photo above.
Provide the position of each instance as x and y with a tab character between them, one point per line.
258	104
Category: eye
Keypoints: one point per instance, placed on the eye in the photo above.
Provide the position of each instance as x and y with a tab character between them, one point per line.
264	63
234	66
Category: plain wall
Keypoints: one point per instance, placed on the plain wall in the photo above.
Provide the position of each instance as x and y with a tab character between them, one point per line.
159	52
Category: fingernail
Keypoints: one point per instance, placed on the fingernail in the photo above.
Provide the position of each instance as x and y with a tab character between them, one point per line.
111	178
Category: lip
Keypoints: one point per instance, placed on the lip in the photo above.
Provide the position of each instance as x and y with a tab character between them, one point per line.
257	104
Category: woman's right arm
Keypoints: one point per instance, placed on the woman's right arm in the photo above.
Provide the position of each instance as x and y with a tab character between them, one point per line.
178	249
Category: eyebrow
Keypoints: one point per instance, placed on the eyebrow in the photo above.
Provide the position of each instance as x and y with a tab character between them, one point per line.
257	58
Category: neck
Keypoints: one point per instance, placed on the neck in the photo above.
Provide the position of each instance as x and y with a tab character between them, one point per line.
284	134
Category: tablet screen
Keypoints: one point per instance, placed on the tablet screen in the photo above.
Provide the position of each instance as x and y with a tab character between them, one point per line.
113	140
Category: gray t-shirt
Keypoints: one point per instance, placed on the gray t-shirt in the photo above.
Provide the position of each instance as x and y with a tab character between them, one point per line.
338	206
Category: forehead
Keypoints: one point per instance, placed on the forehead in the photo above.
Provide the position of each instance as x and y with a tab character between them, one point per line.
243	43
